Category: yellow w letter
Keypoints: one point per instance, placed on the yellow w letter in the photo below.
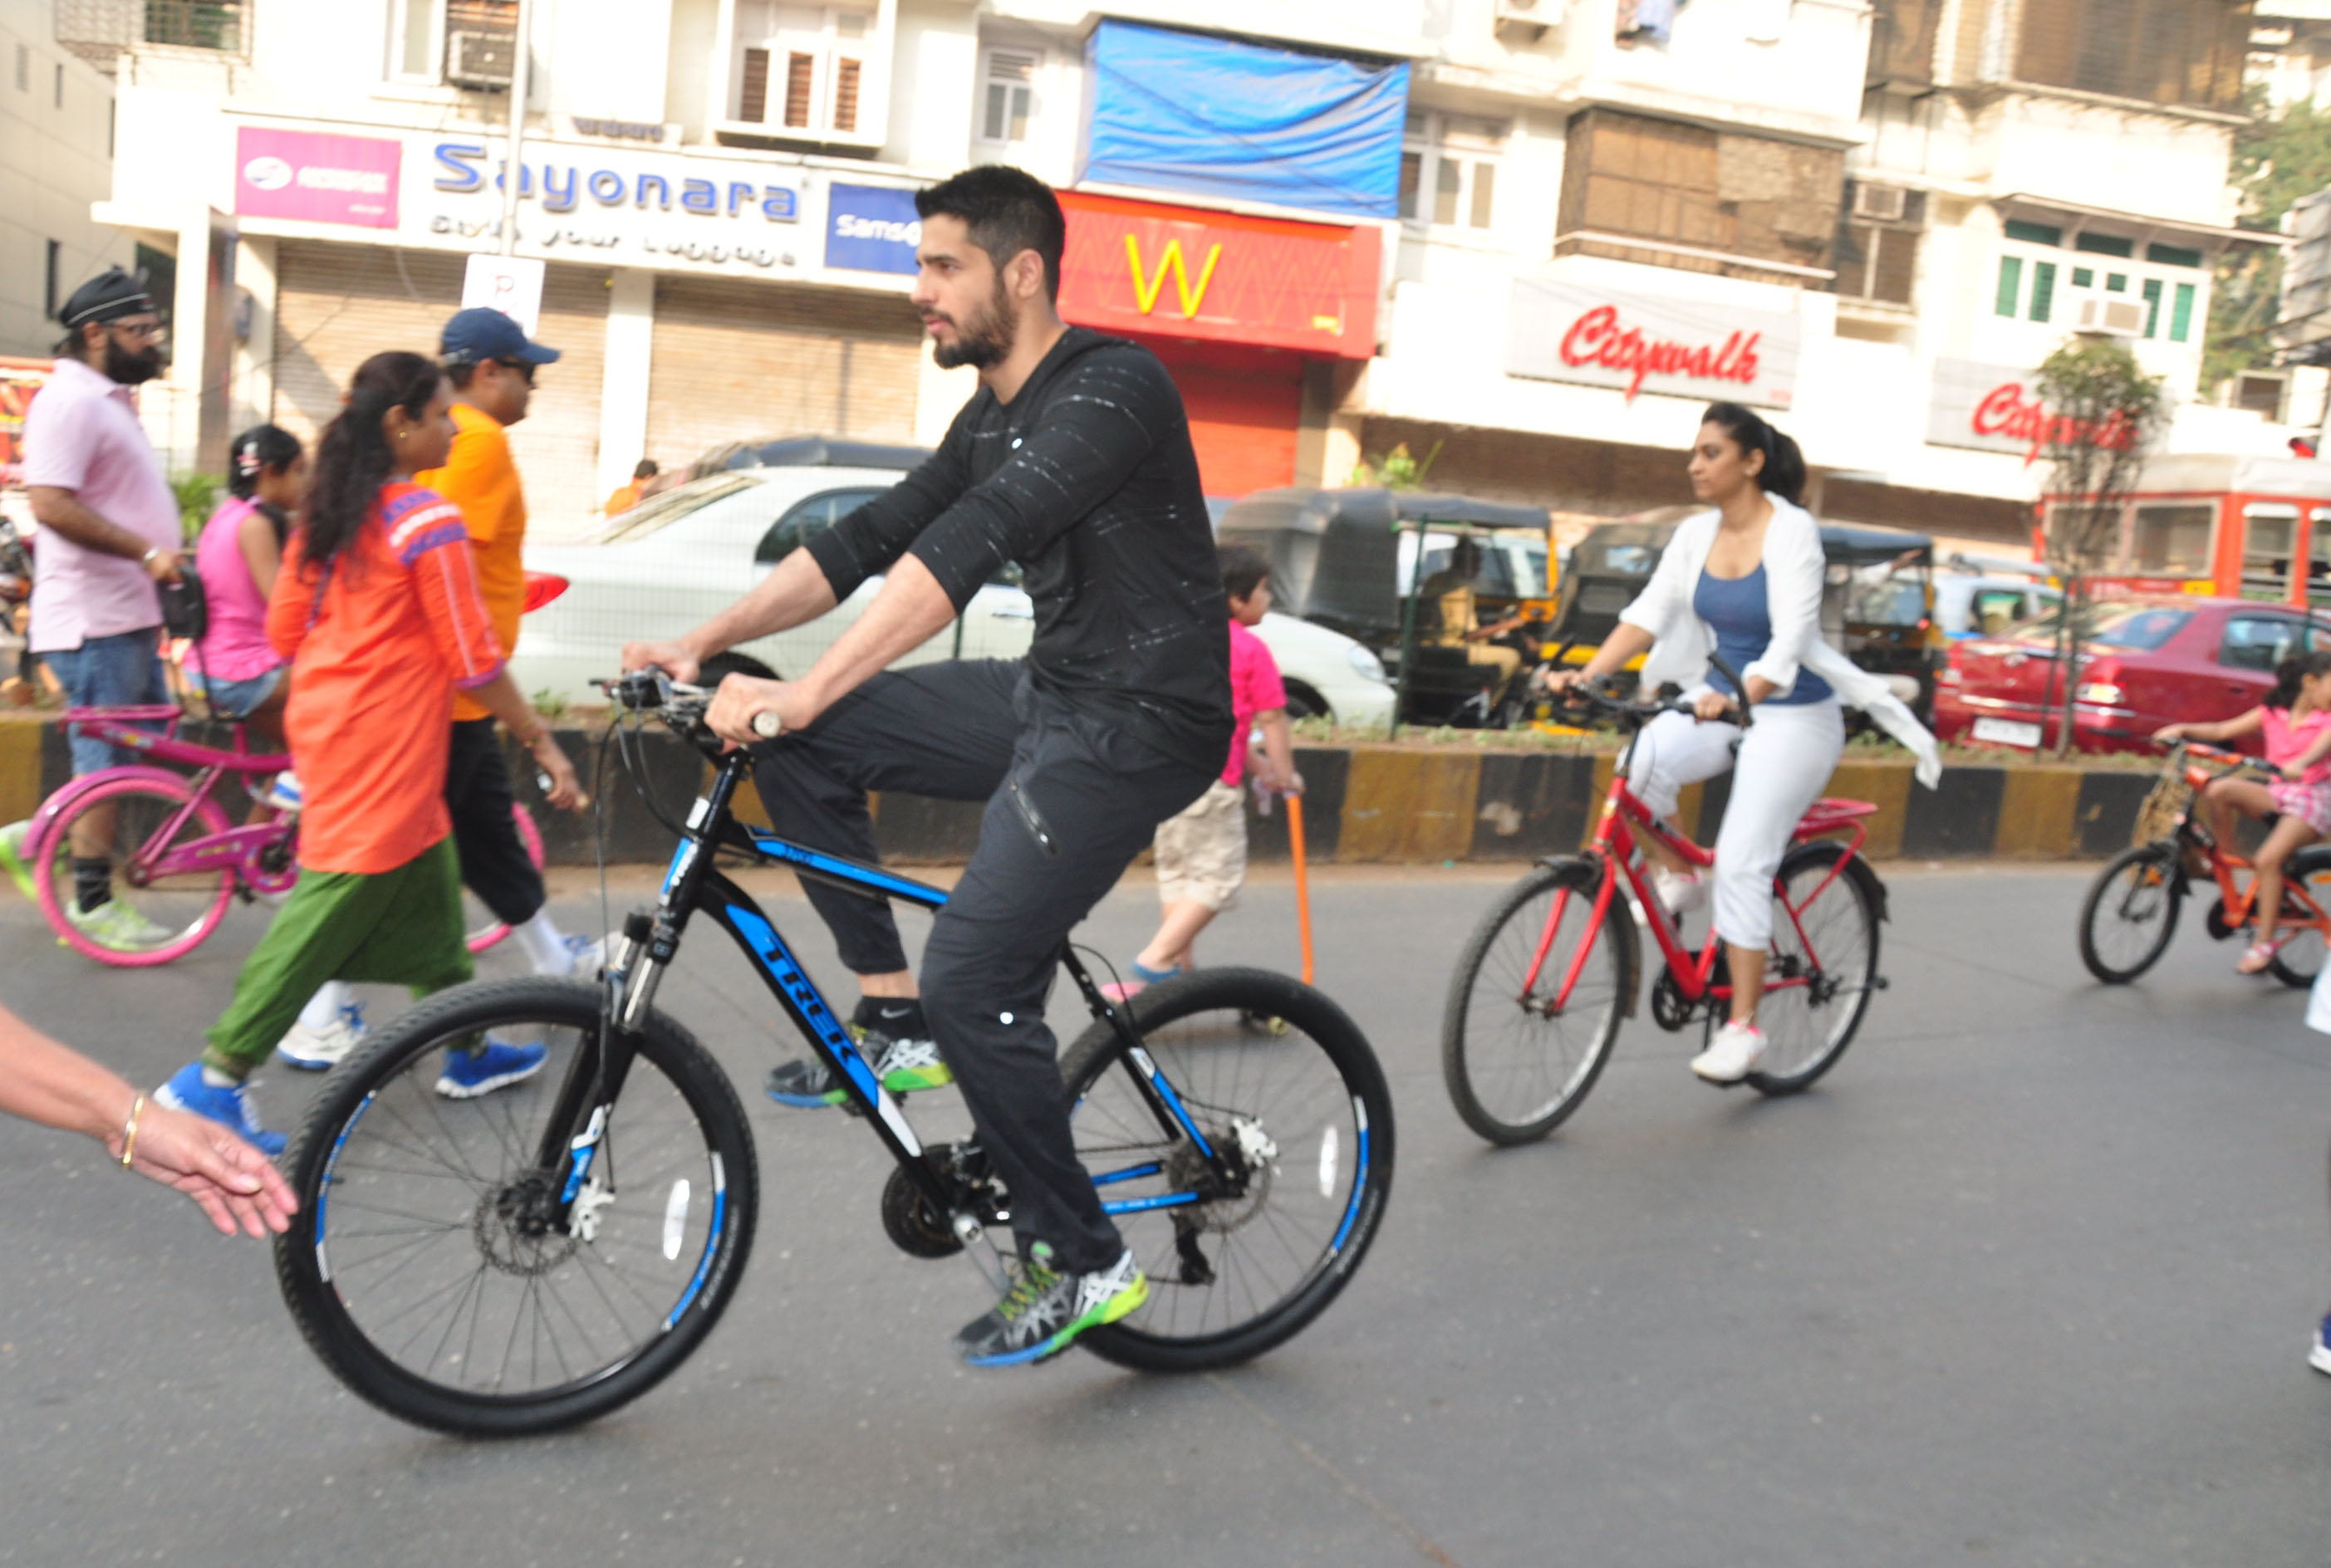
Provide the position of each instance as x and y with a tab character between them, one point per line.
1146	289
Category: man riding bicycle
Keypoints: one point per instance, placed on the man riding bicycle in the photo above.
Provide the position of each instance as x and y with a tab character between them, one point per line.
1074	460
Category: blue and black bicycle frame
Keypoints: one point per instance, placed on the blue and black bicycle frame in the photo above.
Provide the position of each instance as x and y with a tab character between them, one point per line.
955	1189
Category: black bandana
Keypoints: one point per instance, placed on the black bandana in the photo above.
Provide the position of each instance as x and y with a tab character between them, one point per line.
110	296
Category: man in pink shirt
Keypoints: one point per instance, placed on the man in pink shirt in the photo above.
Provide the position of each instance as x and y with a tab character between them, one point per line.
109	532
1201	853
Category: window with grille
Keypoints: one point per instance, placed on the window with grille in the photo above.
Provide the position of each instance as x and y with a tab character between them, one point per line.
1710	201
1877	256
1007	95
2180	52
802	68
1449	171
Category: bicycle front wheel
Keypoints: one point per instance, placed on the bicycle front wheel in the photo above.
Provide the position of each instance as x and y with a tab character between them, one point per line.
423	1268
1303	1113
166	896
1518	1055
2300	959
1821	967
2130	913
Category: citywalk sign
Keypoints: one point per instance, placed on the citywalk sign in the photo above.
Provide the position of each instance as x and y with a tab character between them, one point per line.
1996	408
1176	271
1646	343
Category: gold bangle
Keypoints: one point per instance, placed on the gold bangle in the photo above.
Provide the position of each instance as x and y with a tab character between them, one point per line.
130	1132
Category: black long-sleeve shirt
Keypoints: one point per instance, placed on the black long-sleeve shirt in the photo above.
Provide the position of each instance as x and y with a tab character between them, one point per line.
1088	480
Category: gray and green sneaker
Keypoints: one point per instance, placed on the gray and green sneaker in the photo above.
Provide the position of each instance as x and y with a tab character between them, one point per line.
11	857
1045	1310
895	1042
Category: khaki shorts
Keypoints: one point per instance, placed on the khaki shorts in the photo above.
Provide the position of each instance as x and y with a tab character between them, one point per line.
1201	853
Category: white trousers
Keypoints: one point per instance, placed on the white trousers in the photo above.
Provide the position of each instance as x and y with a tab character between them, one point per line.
1786	758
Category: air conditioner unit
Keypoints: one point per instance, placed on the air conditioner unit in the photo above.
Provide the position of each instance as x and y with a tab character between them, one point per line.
2104	313
475	58
1885	204
1528	19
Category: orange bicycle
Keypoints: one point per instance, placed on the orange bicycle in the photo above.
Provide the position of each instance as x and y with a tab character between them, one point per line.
2132	909
1539	993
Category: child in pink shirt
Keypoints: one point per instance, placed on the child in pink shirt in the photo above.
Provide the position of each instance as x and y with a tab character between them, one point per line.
238	556
2295	725
1201	853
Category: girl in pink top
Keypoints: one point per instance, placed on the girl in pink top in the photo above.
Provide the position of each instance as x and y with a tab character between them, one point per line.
2294	724
241	549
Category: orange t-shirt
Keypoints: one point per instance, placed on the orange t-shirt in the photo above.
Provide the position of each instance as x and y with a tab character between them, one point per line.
480	478
377	645
623	499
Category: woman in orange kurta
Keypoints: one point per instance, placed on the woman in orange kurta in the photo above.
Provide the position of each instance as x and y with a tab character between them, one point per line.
379	610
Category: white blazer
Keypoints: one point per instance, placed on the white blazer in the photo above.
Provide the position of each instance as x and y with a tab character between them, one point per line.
1793	568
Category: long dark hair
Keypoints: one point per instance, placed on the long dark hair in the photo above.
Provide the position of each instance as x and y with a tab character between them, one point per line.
1784	473
2291	672
353	457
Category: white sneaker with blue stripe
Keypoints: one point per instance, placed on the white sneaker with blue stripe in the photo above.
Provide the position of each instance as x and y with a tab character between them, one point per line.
311	1051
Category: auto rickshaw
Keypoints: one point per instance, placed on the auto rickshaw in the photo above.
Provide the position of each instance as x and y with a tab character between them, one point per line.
1878	602
1361	561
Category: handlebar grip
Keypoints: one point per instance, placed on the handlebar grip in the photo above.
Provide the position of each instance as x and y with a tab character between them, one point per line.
767	725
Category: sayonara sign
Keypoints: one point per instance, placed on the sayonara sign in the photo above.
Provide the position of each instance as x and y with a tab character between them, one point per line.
316	176
1642	343
1223	277
1996	408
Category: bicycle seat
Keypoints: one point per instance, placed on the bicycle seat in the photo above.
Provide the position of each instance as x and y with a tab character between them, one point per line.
1828	813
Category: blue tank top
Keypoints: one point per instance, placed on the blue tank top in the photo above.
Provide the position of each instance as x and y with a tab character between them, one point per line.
1734	608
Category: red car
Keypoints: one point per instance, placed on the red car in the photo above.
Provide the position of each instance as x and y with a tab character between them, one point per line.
2148	660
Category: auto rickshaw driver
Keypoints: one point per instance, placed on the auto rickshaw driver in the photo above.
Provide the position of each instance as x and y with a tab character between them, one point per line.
1449	591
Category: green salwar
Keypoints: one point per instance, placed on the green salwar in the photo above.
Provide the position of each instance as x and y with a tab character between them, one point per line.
391	928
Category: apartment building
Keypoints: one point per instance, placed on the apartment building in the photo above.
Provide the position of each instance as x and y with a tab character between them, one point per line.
1531	237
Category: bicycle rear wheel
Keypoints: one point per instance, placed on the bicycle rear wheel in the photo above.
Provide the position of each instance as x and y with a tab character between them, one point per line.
420	1269
2131	912
1822	965
164	906
481	929
1515	1065
1306	1111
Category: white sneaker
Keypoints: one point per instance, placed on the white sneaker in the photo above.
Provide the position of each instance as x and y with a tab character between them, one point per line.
1732	1055
1681	892
283	792
313	1051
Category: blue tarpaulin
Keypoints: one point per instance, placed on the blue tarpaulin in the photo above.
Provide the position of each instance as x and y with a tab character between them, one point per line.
1181	111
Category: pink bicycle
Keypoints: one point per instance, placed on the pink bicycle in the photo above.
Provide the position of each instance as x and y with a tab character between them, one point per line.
179	861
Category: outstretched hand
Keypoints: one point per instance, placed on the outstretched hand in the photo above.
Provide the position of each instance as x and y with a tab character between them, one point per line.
232	1182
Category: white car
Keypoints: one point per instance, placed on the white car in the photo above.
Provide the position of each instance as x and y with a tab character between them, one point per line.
670	563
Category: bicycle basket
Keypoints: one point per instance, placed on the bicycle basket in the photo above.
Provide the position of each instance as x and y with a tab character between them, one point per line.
2168	800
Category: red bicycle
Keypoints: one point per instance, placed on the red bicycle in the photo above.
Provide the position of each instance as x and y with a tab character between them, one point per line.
1539	993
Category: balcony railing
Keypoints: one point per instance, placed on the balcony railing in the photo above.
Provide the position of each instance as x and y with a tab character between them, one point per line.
100	30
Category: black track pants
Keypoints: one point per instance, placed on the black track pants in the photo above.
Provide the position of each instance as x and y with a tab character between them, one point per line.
495	865
1070	799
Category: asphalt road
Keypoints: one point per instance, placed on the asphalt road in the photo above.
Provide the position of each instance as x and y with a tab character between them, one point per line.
2030	1279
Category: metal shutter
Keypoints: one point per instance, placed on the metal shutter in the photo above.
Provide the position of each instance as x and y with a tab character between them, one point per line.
337	305
744	361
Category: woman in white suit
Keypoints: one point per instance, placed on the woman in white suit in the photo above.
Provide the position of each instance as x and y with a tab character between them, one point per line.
1743	581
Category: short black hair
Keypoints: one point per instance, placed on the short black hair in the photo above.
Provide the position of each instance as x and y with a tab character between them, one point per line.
1007	210
645	469
1244	569
460	372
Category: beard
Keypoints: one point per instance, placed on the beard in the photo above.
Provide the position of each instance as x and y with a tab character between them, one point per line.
984	340
130	369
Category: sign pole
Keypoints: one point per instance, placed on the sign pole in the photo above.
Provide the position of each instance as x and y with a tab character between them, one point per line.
513	172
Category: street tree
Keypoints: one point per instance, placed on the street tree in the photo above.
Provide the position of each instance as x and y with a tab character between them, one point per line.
2104	414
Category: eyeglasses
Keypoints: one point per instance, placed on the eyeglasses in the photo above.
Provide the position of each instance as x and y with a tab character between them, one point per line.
136	329
524	371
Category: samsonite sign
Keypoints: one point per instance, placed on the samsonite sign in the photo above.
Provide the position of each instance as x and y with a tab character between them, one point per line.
1647	344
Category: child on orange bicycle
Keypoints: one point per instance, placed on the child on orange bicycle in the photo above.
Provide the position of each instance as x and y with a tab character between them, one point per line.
2294	724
